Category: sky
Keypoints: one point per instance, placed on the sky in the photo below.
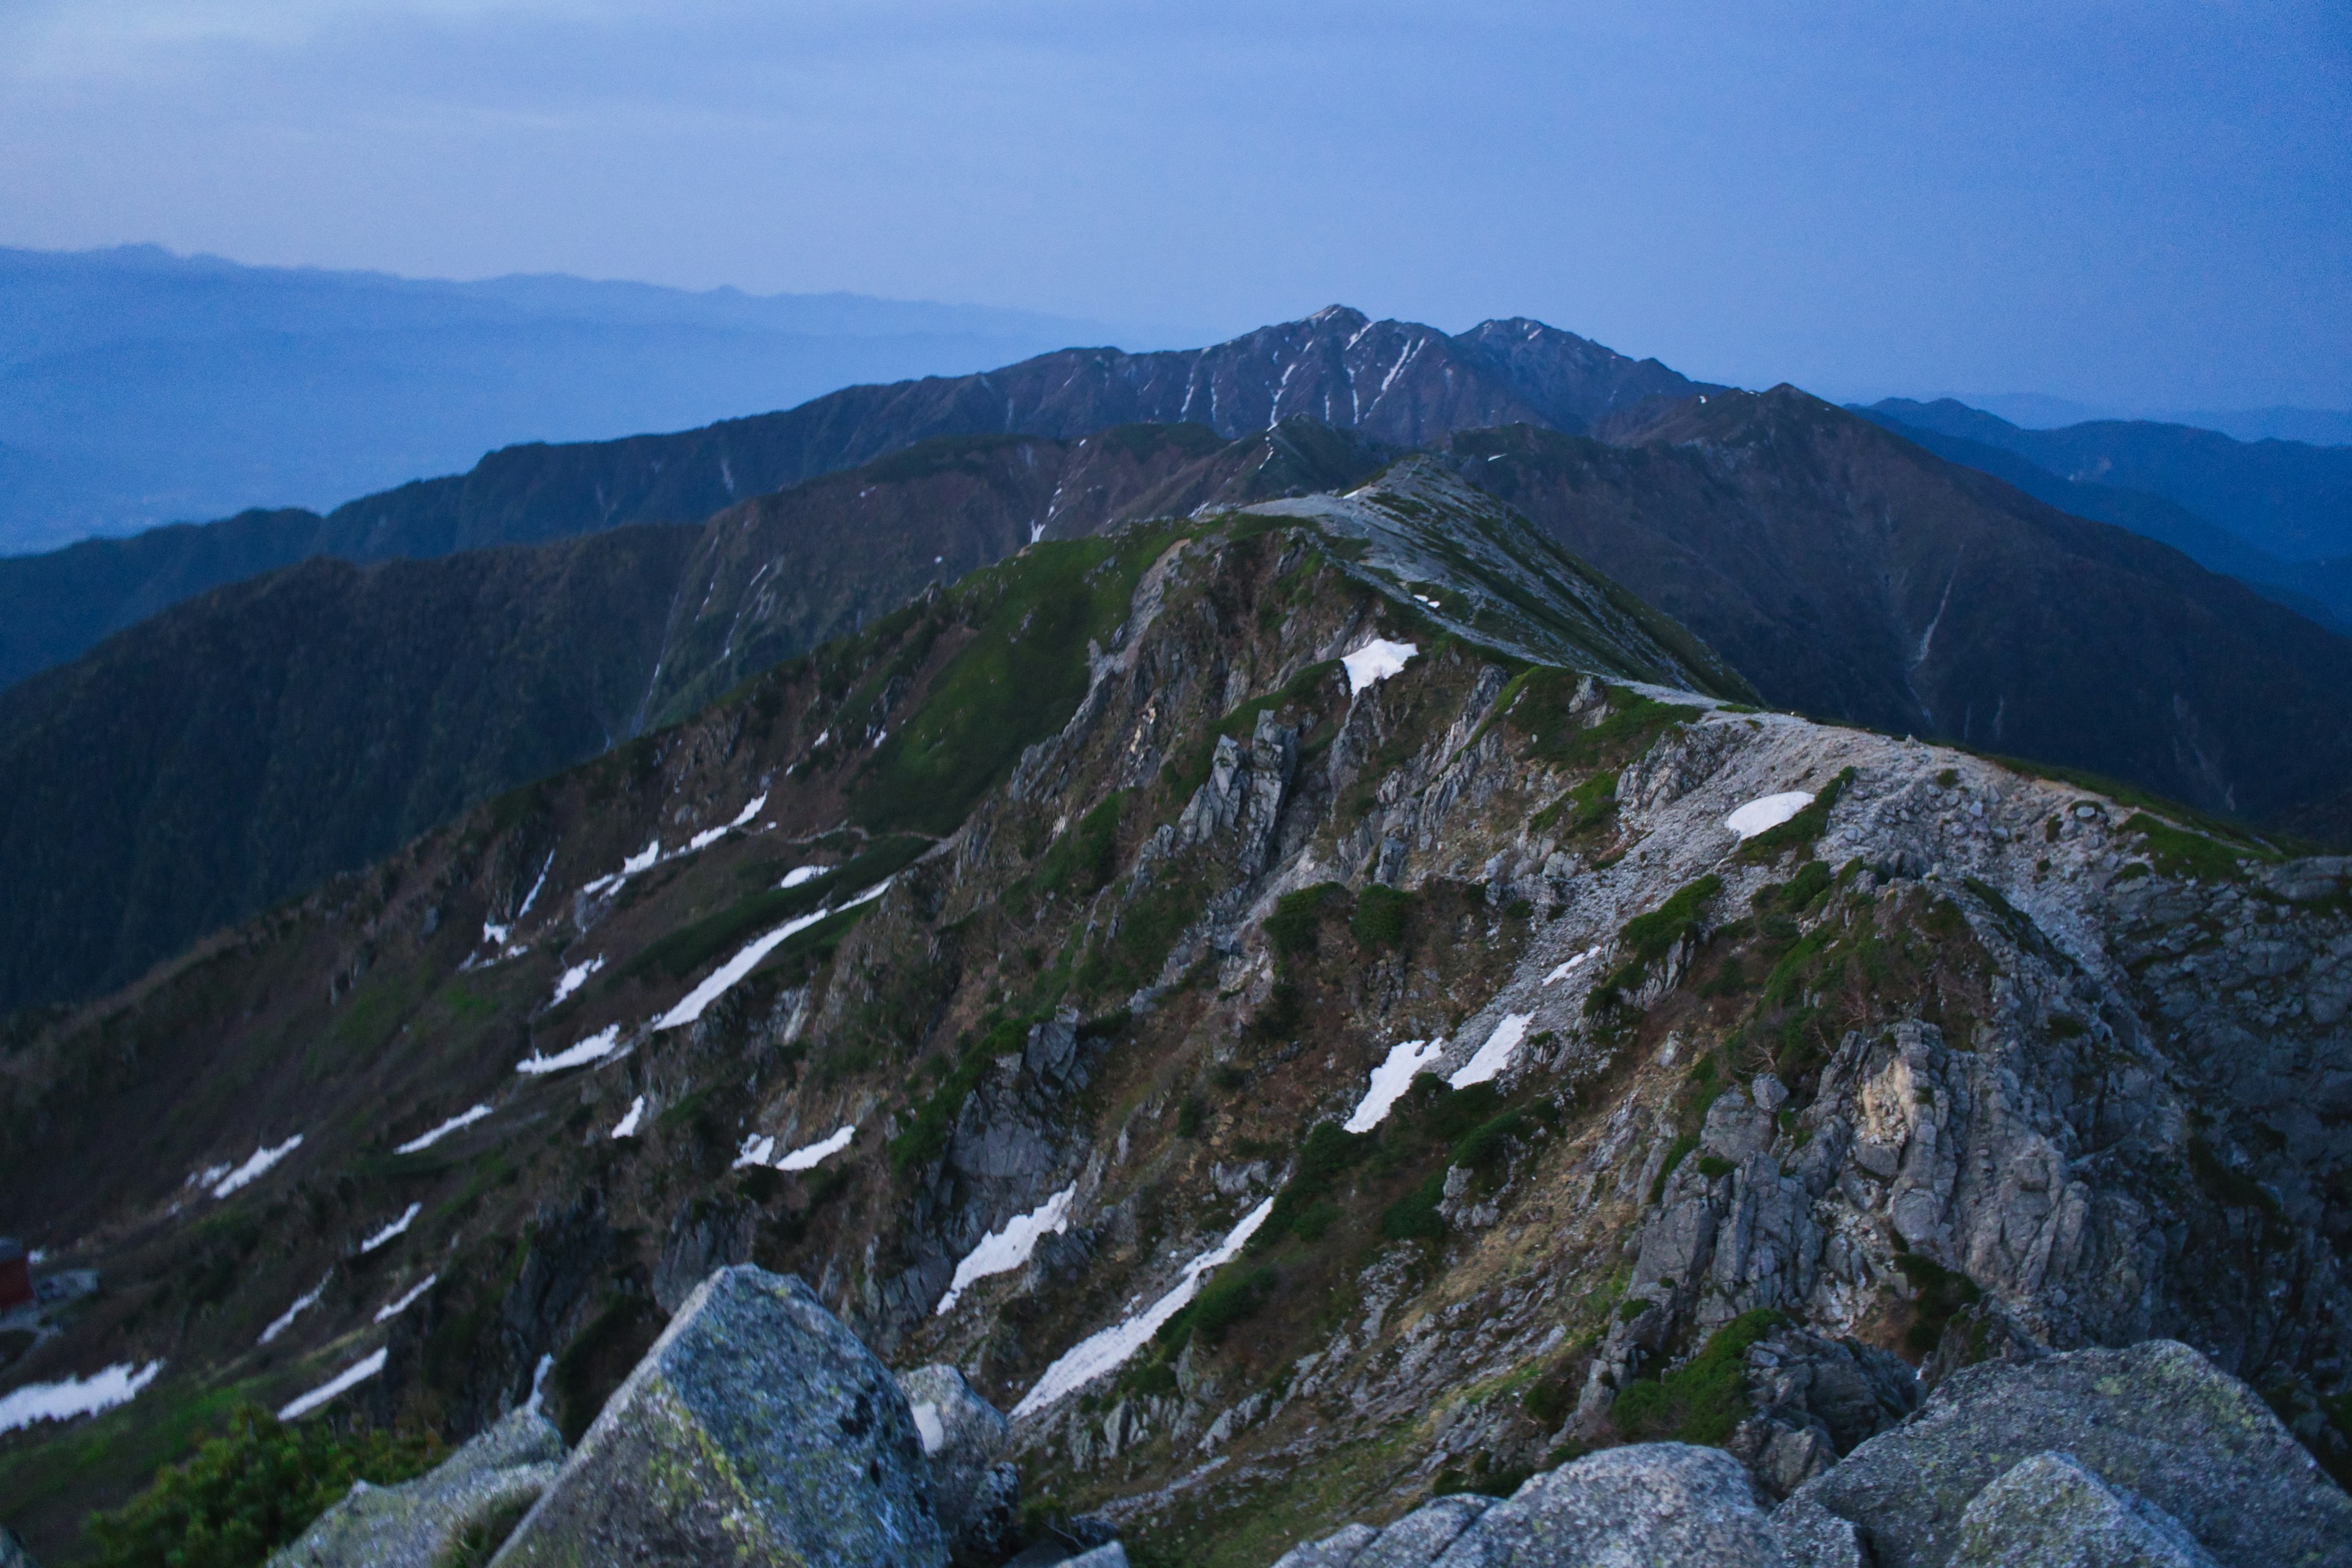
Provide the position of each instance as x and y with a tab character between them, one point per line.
2142	205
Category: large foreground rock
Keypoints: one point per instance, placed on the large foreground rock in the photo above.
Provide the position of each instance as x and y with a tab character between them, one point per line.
757	1431
2051	1512
1651	1503
2166	1435
483	1487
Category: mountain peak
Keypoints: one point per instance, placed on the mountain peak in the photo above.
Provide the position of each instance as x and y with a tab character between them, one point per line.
1339	316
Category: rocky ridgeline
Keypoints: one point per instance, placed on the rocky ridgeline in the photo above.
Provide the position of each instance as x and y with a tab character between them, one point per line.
2148	1457
759	1431
1716	1160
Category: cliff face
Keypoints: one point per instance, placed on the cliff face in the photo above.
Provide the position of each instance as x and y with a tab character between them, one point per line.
1280	1001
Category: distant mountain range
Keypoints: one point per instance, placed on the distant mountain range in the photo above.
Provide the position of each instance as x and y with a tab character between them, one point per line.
205	762
138	388
2170	463
2281	422
2292	499
1395	382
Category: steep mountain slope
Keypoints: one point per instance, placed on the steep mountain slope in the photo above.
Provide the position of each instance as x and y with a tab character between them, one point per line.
1851	575
2287	498
1295	1054
246	746
237	749
1396	381
2308	588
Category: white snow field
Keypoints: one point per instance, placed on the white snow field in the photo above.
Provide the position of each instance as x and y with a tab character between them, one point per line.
350	1377
285	1320
1104	1351
723	978
595	1049
1767	811
254	1169
1001	1251
396	1227
1376	661
1495	1055
627	1126
391	1310
1390	1079
117	1384
809	1156
427	1139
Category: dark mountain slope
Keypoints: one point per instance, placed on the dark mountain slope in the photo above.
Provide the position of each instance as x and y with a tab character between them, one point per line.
1396	381
1203	885
1851	575
239	748
776	575
2306	586
245	746
2292	499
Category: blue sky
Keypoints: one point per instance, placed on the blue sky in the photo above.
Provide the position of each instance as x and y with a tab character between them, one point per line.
2135	203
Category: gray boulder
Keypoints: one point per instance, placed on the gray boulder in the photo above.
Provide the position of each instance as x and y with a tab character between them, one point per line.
2157	1421
2051	1512
1816	1399
1624	1507
757	1431
479	1491
14	1553
975	1491
1337	1551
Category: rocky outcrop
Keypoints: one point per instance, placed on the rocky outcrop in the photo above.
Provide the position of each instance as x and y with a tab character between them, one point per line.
1651	1502
757	1431
2087	1457
2050	1509
2148	1458
473	1496
1816	1399
975	1491
14	1553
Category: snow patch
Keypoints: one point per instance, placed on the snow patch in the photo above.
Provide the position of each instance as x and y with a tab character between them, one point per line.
1496	1054
539	1381
642	860
118	1385
724	977
1001	1251
595	1049
933	1431
810	1156
627	1127
573	979
256	1168
799	874
532	896
1565	970
1768	811
757	1150
391	1310
285	1320
427	1139
1390	1079
349	1377
1376	661
395	1228
1105	1349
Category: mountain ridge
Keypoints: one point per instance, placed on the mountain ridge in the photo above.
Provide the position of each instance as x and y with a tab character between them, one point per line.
1420	383
1112	891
